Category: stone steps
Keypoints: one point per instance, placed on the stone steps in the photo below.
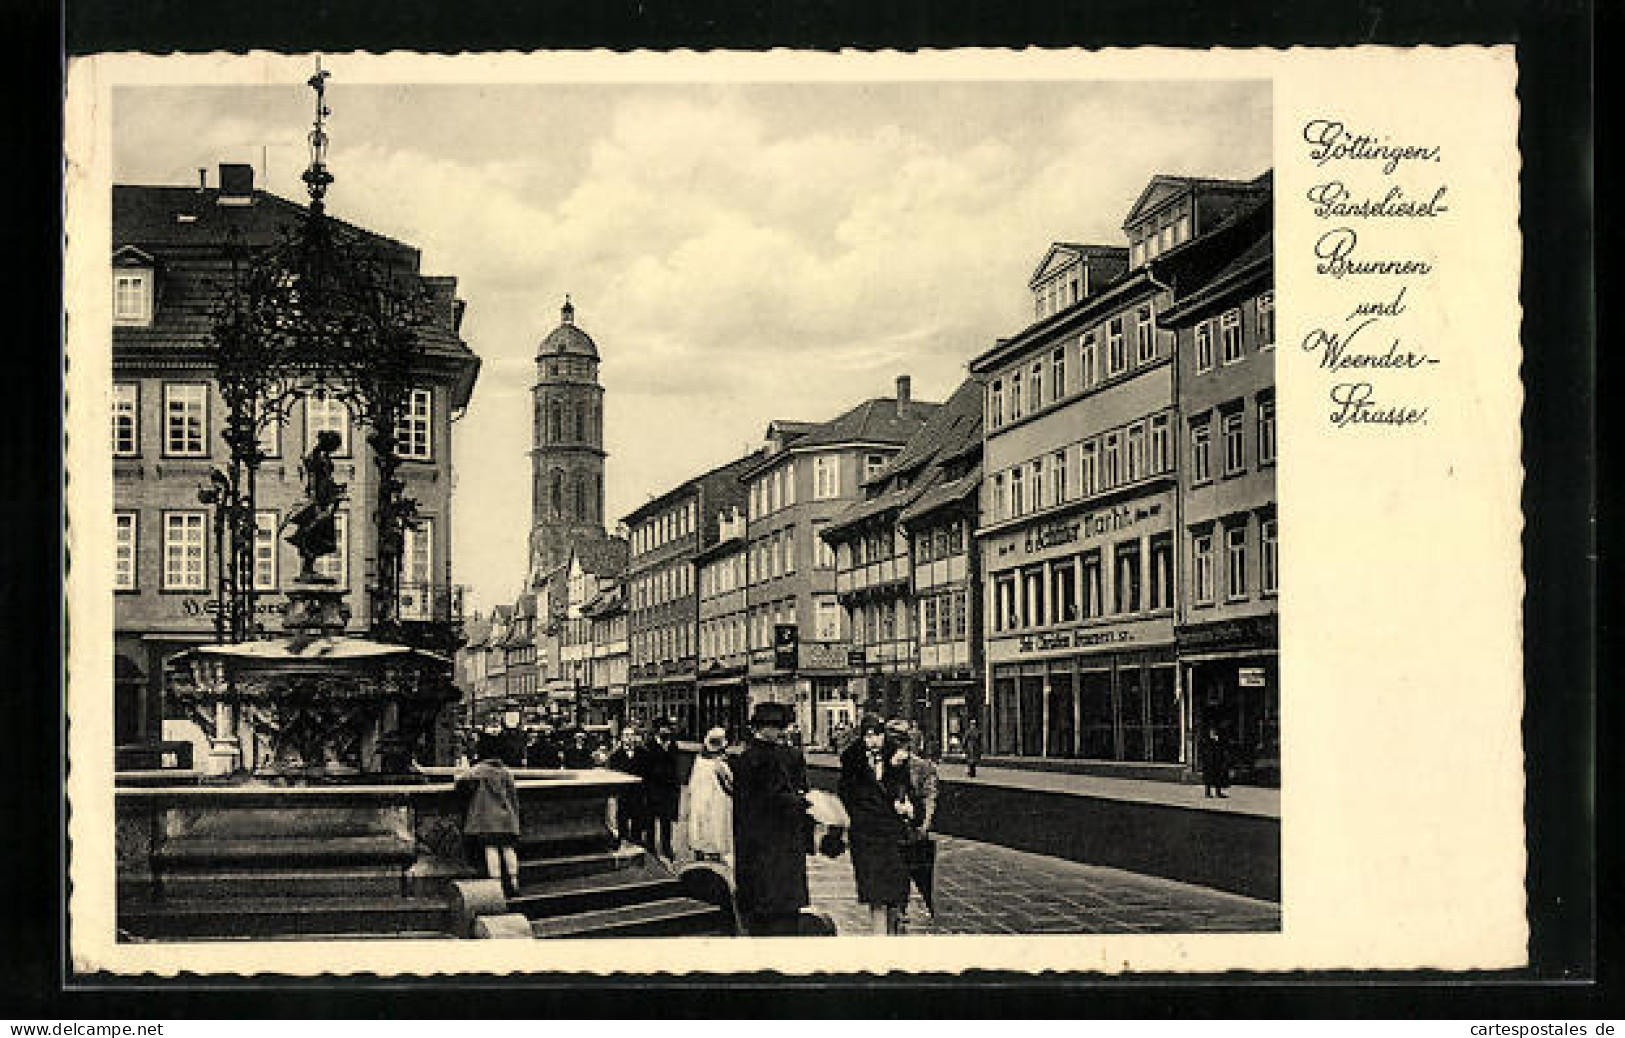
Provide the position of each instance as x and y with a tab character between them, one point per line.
667	917
260	918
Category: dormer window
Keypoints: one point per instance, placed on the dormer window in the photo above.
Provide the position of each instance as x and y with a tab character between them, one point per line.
132	296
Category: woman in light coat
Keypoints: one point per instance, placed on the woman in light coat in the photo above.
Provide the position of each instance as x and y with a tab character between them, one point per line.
710	800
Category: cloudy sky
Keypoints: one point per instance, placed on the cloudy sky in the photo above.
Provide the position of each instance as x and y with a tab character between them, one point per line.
739	252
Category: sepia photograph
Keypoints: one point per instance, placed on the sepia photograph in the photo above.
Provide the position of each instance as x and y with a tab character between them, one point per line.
693	509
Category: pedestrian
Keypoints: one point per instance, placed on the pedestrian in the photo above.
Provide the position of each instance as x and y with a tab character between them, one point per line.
631	803
922	793
578	752
973	746
544	750
710	800
874	789
492	816
662	785
770	825
1215	759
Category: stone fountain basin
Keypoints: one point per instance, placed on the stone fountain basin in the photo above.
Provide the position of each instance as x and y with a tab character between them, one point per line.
413	829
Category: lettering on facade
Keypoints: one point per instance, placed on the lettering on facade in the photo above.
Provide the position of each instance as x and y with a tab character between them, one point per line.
1103	523
1071	640
209	607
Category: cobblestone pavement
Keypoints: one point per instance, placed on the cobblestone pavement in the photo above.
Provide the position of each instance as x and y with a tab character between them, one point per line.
985	888
982	888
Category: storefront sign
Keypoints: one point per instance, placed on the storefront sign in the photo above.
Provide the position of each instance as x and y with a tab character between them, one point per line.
1250	677
1137	634
1070	640
209	607
1243	632
1089	526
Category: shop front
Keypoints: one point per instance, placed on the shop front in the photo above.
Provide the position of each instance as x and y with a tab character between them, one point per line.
1232	670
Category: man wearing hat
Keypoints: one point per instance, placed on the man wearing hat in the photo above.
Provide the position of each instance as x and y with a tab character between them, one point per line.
770	827
662	786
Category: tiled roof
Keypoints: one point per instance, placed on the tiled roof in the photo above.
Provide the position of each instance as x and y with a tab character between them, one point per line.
476	631
656	503
602	557
881	420
942	494
955	427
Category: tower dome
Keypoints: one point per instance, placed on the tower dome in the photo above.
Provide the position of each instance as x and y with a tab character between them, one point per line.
567	339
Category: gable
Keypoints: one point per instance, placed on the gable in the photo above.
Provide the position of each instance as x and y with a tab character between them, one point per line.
1057	259
1160	191
130	256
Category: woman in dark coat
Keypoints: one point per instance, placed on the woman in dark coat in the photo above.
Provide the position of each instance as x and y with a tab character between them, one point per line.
770	862
1215	759
662	786
874	788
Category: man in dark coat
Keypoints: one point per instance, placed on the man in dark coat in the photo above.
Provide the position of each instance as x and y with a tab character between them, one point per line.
1215	759
631	804
972	741
662	785
770	867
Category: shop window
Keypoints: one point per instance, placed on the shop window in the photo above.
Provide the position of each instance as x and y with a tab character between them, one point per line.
1098	734
1005	725
1163	710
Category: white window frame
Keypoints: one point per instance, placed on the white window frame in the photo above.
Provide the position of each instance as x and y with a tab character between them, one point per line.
414	432
1233	431
186	541
265	550
1145	336
1057	371
126	419
1204	346
1269	557
1116	346
1159	457
321	412
826	477
1266	324
1231	351
177	407
995	404
1235	558
1057	479
1089	468
140	278
1089	360
126	550
1202	451
1202	568
1035	387
1266	431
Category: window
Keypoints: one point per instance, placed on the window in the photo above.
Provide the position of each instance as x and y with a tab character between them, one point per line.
1015	396
1269	581
1113	473
417	559
1057	475
1201	451
1057	373
1266	321
1004	602
270	438
1089	362
1088	474
1230	332
959	600
1266	430
1136	451
186	563
826	477
775	487
873	463
789	550
928	621
1038	498
412	431
265	569
1126	557
126	419
1094	604
124	551
1161	457
1202	567
1161	586
789	483
1018	495
132	297
186	419
1234	451
827	622
1001	499
323	412
1137	253
1204	347
923	552
1035	388
1032	597
1117	347
1064	592
1235	550
1182	228
995	404
1145	341
336	567
823	554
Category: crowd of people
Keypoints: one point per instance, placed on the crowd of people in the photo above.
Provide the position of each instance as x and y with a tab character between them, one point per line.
753	812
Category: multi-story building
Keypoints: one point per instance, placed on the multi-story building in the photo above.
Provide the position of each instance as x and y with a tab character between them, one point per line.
808	477
606	694
594	568
724	652
662	597
170	258
470	667
1078	503
903	578
1229	562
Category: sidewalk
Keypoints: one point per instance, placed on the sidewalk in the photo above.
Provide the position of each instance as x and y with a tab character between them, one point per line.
1245	800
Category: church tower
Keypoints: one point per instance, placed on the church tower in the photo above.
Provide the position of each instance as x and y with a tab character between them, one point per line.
567	446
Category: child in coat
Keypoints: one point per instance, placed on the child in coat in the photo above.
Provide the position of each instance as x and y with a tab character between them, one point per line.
492	818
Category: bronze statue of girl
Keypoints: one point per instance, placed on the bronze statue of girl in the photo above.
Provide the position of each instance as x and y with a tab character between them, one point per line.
314	521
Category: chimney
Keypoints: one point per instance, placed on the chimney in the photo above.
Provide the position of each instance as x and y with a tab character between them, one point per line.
203	178
236	183
903	382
